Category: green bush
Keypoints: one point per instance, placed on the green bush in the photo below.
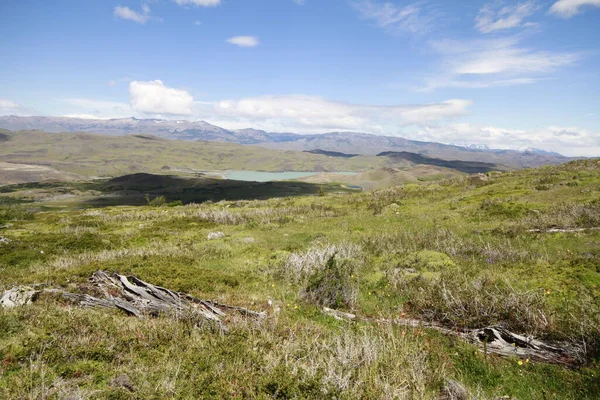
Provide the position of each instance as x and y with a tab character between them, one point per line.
333	285
158	201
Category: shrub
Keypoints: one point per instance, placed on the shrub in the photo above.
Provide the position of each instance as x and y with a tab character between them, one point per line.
456	299
333	285
158	201
301	266
15	213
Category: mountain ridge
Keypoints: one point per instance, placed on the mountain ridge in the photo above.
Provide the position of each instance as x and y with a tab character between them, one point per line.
340	142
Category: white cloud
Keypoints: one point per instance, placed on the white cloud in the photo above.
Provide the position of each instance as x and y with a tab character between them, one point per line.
569	8
201	3
493	18
492	62
308	114
129	14
299	2
85	116
153	97
8	107
97	109
410	18
570	141
244	41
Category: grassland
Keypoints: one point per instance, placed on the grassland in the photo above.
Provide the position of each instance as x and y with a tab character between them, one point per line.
457	251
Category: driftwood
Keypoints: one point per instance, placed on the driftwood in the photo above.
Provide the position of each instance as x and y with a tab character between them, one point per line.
134	297
565	230
490	340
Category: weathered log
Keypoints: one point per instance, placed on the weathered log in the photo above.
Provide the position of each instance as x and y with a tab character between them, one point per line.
563	230
342	316
134	297
491	340
18	296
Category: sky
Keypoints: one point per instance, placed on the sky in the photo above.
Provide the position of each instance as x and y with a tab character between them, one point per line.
502	73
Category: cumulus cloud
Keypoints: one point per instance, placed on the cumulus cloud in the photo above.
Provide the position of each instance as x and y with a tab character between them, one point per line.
244	41
570	141
493	18
153	97
129	14
569	8
410	18
200	3
492	62
309	114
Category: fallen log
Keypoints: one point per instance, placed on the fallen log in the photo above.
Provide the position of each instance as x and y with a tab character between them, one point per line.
134	297
490	340
563	230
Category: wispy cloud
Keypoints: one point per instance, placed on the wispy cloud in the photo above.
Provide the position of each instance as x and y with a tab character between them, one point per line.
97	109
569	8
244	41
200	3
310	114
572	141
8	107
129	14
411	18
493	18
299	2
492	62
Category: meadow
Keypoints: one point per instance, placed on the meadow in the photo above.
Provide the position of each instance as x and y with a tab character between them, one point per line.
519	249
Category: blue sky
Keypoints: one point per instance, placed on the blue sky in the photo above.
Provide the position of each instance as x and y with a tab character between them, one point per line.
509	74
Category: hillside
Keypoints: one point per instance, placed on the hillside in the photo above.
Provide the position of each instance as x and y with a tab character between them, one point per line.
415	264
95	155
340	142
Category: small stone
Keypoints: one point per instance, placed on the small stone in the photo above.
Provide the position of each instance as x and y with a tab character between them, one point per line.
4	240
215	235
122	381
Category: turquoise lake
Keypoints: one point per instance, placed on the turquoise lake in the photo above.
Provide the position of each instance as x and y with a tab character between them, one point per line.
259	176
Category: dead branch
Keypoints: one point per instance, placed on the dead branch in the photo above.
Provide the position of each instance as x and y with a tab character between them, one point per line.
491	340
134	297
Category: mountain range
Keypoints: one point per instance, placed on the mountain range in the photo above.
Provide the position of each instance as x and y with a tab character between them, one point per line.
342	143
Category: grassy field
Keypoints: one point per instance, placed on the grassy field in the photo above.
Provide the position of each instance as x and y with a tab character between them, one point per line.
457	251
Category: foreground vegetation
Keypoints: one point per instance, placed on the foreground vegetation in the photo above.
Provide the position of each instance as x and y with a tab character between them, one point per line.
466	252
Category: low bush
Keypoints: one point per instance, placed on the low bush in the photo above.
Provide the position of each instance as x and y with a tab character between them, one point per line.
333	285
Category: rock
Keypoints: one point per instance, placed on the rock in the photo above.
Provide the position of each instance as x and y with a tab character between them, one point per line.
410	270
215	235
4	240
248	240
122	381
454	390
18	296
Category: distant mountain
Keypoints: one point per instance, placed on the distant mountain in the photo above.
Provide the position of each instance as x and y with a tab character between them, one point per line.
367	144
333	142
